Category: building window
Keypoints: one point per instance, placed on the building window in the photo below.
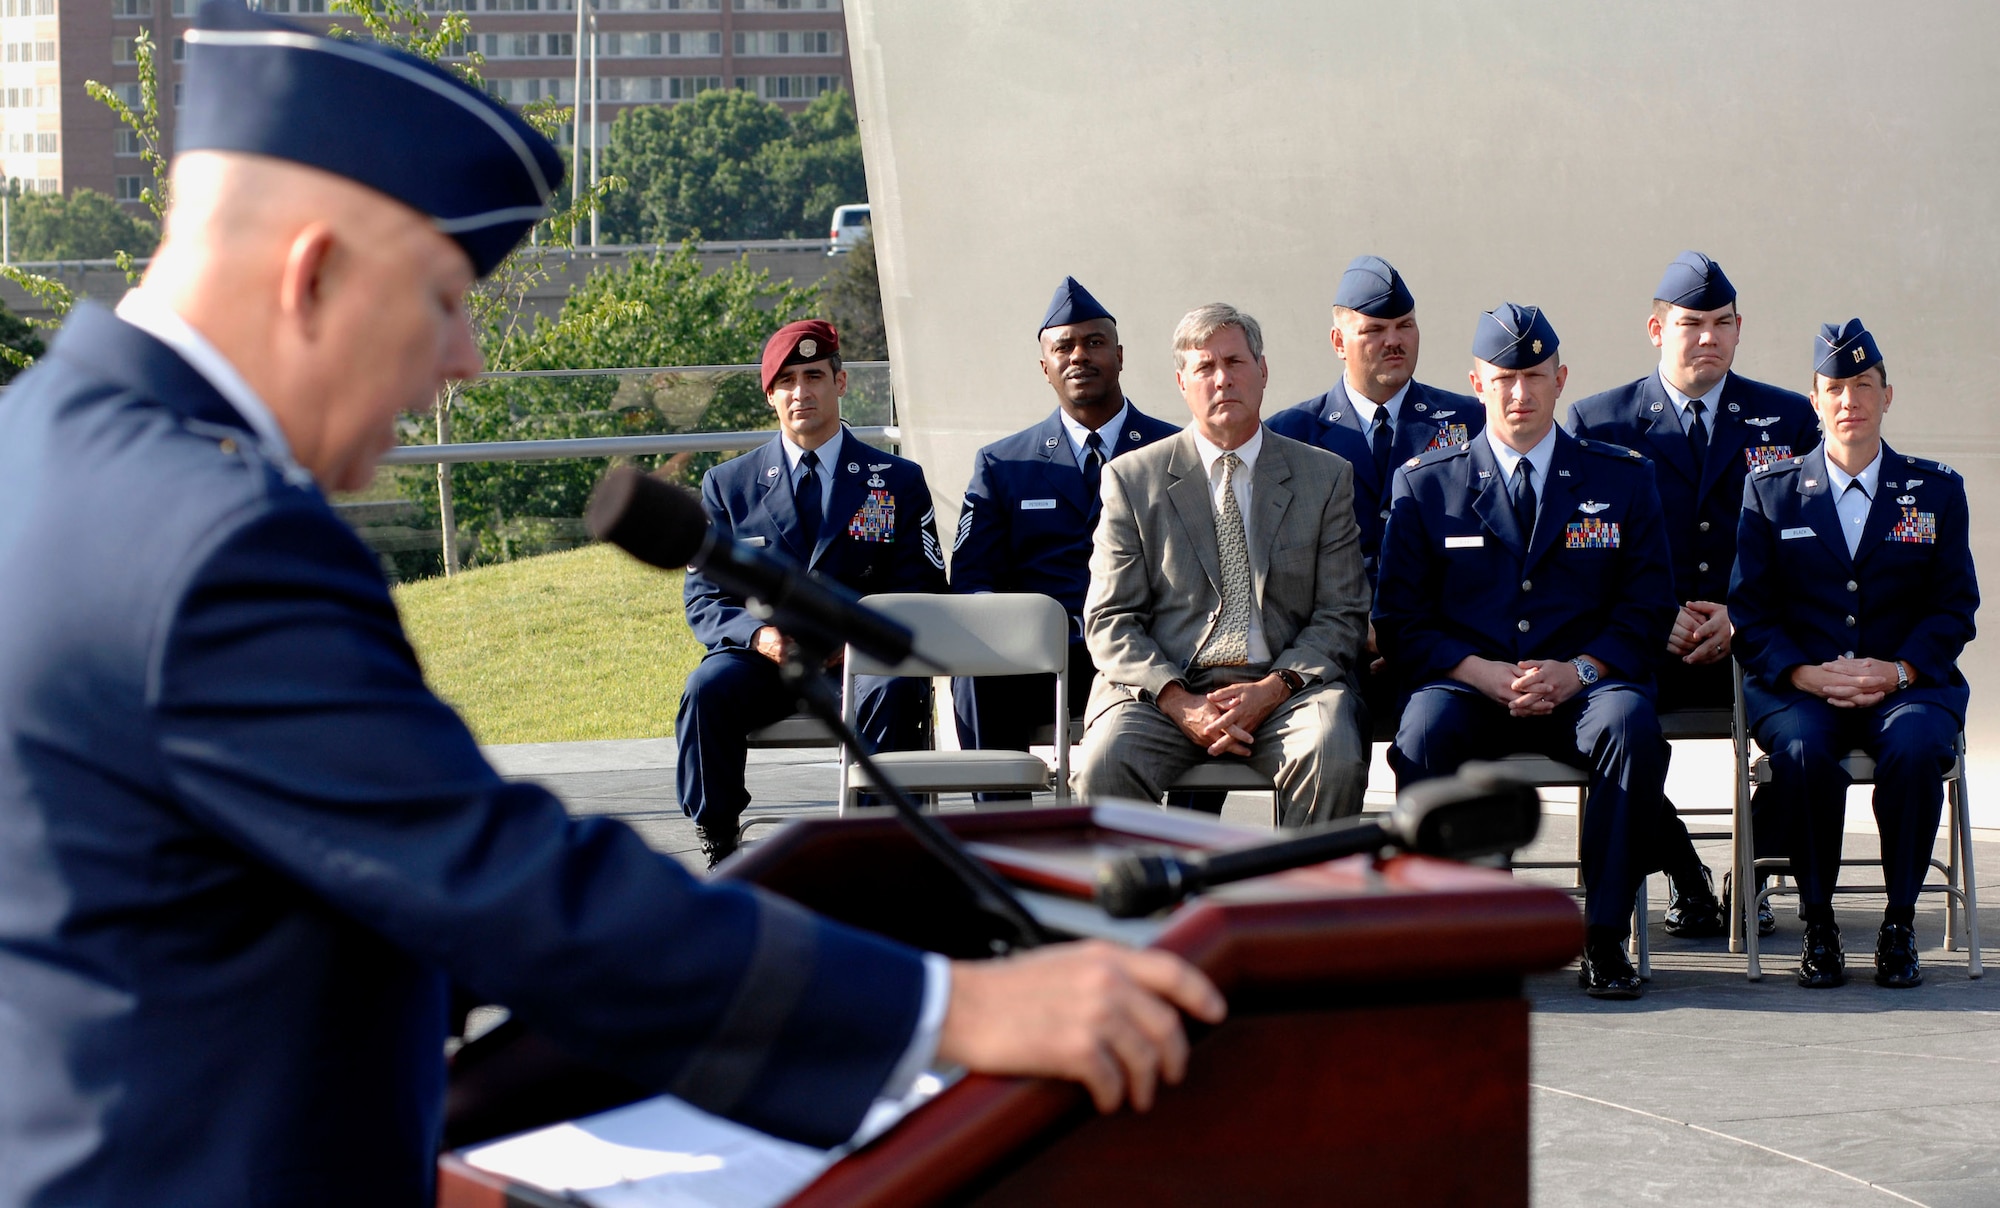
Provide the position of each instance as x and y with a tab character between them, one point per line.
180	50
122	52
48	142
787	42
184	8
128	142
789	88
131	8
177	94
129	188
787	6
30	8
129	93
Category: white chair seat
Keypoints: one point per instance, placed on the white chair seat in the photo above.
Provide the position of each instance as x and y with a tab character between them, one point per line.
962	772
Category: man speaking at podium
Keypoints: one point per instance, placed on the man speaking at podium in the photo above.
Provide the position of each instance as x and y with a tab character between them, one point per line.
242	847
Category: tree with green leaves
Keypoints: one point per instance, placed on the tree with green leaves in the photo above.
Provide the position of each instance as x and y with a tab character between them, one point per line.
726	165
853	294
660	310
82	225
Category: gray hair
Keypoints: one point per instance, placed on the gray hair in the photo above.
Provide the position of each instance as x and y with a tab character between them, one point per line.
1198	326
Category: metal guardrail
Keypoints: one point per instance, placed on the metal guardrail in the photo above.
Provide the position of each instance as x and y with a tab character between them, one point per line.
600	446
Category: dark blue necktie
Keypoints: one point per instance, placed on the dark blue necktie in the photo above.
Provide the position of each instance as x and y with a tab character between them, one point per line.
1524	498
806	497
1698	432
1378	442
1093	464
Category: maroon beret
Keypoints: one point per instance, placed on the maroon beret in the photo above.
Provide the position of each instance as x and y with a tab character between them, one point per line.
797	343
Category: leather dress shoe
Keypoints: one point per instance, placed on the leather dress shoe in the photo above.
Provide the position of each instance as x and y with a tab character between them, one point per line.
1896	957
1767	921
1694	913
1822	965
716	845
1605	973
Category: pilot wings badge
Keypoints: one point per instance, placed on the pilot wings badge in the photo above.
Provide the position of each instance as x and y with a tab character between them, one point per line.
1763	423
1590	507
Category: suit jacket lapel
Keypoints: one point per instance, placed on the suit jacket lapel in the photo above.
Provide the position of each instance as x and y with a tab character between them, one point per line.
1883	510
1187	488
1667	439
849	487
1728	433
1058	461
1493	504
1816	504
1269	498
778	498
1558	498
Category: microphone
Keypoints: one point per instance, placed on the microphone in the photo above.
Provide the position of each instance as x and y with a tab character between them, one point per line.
665	526
1478	812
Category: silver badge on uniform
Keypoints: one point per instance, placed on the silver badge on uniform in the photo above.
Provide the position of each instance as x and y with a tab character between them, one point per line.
853	467
876	481
1050	443
1134	434
771	473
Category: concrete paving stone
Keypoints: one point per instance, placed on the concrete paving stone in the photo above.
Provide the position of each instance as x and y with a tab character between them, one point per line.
1949	1193
1586	1155
1958	1143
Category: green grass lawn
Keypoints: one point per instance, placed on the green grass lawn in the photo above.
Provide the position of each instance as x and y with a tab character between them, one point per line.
578	645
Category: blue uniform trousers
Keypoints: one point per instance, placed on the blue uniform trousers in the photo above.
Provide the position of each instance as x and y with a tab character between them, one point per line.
1913	743
1611	730
736	691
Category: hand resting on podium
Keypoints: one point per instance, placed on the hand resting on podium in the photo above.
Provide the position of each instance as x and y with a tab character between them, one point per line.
1091	1012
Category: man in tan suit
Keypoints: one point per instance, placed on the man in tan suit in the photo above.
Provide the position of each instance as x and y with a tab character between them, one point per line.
1227	606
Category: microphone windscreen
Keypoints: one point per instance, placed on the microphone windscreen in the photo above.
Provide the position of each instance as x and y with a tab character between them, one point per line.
654	521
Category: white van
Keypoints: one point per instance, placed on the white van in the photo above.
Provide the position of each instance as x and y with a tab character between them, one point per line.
850	223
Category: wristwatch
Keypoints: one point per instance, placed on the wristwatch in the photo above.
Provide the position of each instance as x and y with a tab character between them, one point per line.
1586	671
1902	676
1293	680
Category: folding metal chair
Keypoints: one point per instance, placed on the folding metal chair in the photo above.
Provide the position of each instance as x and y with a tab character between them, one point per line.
1961	884
1697	724
1543	772
990	634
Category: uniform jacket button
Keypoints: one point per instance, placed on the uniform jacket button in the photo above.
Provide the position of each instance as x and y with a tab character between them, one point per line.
1853	586
1523	626
1850	622
1704	526
1703	568
1527	585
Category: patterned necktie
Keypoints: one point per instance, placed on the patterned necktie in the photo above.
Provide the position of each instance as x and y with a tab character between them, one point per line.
1698	432
1093	463
1228	643
806	498
1378	442
1524	498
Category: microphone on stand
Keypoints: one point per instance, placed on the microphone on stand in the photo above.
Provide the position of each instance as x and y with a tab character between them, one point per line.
1476	813
665	526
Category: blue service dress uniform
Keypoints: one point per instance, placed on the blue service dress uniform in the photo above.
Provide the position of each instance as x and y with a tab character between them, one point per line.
1459	578
1753	424
880	534
1907	593
1026	526
243	848
1428	419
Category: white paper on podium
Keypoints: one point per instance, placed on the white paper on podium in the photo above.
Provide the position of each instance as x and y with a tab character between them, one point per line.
664	1153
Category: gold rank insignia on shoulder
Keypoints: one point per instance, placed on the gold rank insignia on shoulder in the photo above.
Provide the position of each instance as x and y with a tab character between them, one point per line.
1412	463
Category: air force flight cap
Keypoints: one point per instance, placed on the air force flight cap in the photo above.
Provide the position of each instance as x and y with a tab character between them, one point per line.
1372	286
1514	337
1695	282
1844	350
404	127
1072	304
796	344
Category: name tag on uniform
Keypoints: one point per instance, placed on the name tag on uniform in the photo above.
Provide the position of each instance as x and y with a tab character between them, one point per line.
1037	505
1464	542
1794	533
755	541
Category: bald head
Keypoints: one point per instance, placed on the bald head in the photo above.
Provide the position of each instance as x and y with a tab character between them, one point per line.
340	306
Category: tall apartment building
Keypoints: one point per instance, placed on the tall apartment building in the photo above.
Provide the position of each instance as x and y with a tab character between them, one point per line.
55	138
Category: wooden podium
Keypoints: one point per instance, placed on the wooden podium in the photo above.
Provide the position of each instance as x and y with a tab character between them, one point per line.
1376	1050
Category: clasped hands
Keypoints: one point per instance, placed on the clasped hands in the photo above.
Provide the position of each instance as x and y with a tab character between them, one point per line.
775	646
1529	688
1701	633
1225	721
1848	683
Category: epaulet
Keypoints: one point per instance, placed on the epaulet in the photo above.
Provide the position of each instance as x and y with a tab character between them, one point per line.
1604	448
1929	466
1431	457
